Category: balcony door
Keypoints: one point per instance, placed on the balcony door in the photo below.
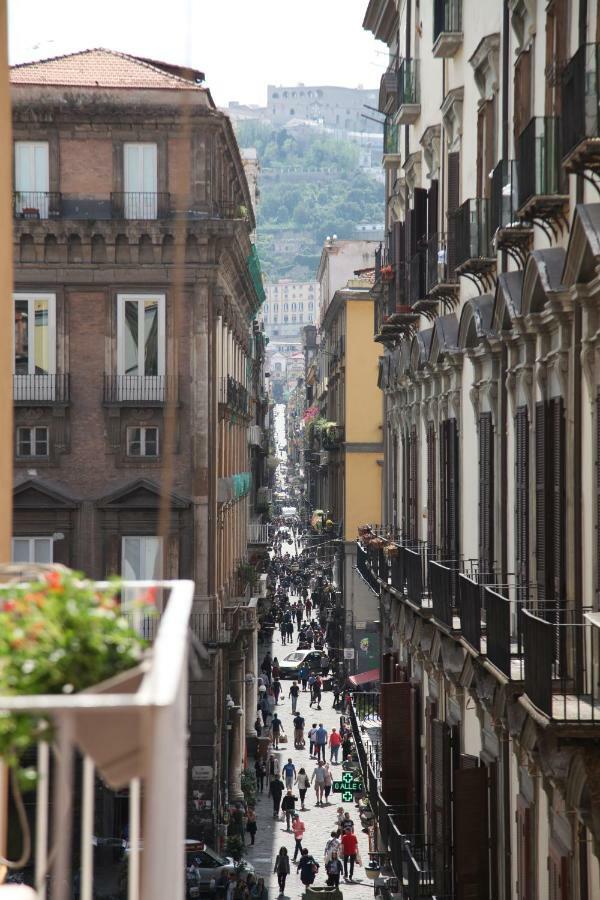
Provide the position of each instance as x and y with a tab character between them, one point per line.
140	181
32	178
34	363
32	550
141	560
141	347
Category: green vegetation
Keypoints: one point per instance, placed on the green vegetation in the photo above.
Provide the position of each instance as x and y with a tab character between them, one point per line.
311	186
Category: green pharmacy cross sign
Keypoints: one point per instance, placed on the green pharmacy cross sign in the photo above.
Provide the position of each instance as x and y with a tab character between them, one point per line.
347	787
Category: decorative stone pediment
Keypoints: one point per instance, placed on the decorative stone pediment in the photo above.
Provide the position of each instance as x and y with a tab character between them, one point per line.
452	114
430	142
412	171
37	494
522	20
140	494
486	65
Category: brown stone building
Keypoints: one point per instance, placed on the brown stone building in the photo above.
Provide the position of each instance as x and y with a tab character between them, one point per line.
136	285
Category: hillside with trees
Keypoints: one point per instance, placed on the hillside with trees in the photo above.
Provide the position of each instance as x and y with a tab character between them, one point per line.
311	186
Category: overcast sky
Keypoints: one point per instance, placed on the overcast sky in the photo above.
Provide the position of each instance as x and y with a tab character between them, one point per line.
241	45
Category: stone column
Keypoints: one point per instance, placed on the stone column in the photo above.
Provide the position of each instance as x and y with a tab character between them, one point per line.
251	686
236	715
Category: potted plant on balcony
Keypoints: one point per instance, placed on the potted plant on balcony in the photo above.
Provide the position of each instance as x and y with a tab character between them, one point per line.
387	273
61	635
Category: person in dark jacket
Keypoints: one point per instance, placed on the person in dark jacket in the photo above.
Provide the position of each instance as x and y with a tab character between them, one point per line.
307	867
288	805
275	791
282	869
334	869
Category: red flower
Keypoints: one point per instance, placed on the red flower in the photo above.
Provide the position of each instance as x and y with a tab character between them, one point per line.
149	598
9	606
54	580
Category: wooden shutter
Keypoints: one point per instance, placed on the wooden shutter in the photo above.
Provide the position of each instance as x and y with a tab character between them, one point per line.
524	850
453	491
440	805
398	262
420	219
559	876
480	146
398	750
413	486
541	486
432	208
453	203
486	495
557	537
489	155
431	485
522	502
522	95
471	851
557	35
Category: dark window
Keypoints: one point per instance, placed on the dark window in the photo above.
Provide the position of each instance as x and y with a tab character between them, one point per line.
486	495
449	490
522	502
142	441
431	485
32	441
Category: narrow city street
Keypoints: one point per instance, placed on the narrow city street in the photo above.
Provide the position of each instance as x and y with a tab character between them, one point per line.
319	821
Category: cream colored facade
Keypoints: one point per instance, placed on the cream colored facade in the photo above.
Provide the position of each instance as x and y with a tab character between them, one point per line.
289	306
487	321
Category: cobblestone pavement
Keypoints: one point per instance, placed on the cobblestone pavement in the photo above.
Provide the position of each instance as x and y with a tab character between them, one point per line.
319	821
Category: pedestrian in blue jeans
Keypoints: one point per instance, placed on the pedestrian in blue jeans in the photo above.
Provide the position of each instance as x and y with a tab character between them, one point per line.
321	741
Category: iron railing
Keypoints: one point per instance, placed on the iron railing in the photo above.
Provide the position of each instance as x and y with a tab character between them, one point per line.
417	277
472	230
580	109
469	601
390	138
237	395
539	159
364	569
258	533
447	17
41	388
504	201
142	205
142	389
408	82
37	204
504	636
254	270
443	579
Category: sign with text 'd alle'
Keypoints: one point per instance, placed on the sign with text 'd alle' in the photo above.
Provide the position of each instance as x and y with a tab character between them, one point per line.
347	787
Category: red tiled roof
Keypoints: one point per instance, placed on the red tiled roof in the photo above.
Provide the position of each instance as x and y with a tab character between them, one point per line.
105	69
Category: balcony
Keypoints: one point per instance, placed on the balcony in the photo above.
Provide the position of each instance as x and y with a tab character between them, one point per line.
409	95
256	436
443	579
141	205
234	395
561	650
258	533
41	390
133	735
447	28
580	116
474	258
332	437
388	87
441	280
37	204
139	390
390	140
503	643
543	195
509	233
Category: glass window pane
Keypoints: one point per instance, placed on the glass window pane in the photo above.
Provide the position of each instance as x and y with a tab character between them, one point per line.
151	443
134	442
150	337
24	441
41	340
21	337
20	550
130	331
152	563
41	442
42	552
131	562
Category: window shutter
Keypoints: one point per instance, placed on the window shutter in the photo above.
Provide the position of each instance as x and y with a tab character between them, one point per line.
471	852
598	493
522	94
431	517
480	146
453	495
522	502
398	750
432	208
413	485
420	219
524	850
486	495
440	821
541	482
398	262
405	484
490	146
453	203
557	538
443	484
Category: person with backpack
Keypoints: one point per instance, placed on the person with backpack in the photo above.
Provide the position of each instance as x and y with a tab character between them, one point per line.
282	869
275	791
307	867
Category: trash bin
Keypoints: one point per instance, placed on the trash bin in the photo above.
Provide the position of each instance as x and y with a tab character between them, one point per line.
323	893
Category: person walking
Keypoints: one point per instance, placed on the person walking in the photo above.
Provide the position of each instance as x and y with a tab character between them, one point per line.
333	844
334	745
334	869
317	688
307	867
318	776
275	791
251	824
320	741
282	869
311	683
327	783
303	676
349	849
311	738
298	828
303	784
276	730
288	806
293	694
276	688
299	732
289	773
265	709
260	770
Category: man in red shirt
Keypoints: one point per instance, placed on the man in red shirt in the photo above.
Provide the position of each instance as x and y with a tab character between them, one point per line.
334	745
349	849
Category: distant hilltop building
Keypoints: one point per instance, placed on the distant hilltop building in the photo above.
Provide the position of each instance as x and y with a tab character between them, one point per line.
289	306
336	107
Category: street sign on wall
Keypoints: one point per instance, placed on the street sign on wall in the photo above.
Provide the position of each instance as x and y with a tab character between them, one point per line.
348	652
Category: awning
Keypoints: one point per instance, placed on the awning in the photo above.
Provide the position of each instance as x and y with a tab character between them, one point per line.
365	677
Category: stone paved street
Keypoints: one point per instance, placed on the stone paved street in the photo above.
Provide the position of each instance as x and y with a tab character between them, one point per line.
319	821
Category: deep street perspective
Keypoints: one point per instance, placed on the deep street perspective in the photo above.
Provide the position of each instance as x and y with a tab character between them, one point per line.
300	450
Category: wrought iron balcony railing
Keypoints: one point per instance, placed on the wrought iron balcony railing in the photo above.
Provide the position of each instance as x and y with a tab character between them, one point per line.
539	160
36	204
408	83
145	390
580	109
390	138
143	205
472	231
504	201
417	277
41	389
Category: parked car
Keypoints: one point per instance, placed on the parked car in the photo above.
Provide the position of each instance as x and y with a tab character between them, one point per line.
316	660
204	867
